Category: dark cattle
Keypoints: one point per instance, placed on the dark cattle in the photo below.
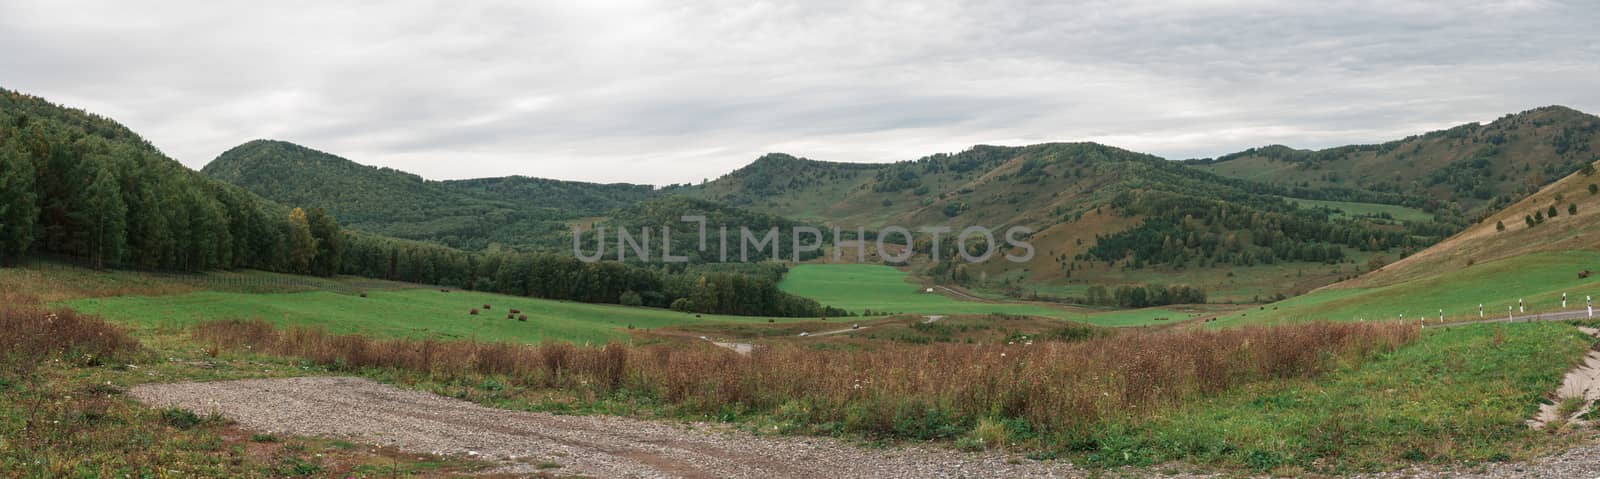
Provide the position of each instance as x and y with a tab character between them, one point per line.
1584	274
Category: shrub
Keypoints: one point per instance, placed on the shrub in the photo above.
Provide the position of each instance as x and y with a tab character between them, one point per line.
884	391
30	335
1594	189
180	418
1572	208
682	305
630	298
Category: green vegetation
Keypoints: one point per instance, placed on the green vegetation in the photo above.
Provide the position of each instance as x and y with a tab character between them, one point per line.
1458	394
1460	172
413	313
468	214
1538	279
882	289
1350	209
64	411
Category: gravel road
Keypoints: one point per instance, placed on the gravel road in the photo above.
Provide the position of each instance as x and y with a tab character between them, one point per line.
598	446
603	446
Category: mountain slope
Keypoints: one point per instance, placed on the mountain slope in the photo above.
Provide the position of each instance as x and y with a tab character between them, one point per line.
1471	168
526	213
1524	228
1102	215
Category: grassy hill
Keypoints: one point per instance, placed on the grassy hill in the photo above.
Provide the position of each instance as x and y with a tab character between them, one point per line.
1470	168
1519	253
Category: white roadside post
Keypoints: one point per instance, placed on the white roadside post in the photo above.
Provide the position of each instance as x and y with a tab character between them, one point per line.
1520	307
1508	314
1480	310
1563	300
1441	316
1589	301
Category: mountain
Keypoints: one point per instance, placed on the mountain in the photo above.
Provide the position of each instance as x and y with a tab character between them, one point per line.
1102	215
1250	226
1472	168
518	212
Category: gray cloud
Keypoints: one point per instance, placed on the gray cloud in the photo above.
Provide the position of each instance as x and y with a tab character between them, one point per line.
662	91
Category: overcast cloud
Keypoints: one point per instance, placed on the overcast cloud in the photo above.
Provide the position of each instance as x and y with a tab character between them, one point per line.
675	91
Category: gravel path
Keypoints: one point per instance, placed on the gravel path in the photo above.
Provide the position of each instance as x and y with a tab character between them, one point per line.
605	446
599	446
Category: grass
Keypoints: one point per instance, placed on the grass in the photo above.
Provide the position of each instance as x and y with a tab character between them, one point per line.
410	313
1538	279
863	287
1456	395
64	411
1348	209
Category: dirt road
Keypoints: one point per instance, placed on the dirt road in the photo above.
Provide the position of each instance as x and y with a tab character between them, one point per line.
598	446
603	446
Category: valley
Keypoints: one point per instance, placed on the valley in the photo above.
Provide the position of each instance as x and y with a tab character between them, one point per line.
1261	313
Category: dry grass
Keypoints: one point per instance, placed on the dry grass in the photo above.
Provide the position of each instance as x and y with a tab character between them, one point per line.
904	391
30	334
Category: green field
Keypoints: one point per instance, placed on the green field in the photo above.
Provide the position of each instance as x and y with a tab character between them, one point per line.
862	287
1351	210
1457	394
413	313
1538	279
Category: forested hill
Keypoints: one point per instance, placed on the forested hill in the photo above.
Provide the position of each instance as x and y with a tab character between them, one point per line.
80	185
1472	168
528	213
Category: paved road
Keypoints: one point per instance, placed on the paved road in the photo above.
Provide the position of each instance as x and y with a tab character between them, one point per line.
1525	318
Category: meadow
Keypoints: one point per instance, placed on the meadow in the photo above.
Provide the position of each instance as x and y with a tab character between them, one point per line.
408	313
1349	209
1538	279
864	287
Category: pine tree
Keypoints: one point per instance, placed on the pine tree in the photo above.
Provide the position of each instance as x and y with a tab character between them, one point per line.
106	217
18	208
302	245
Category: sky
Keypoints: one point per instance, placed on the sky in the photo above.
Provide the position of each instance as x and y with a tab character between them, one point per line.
677	91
